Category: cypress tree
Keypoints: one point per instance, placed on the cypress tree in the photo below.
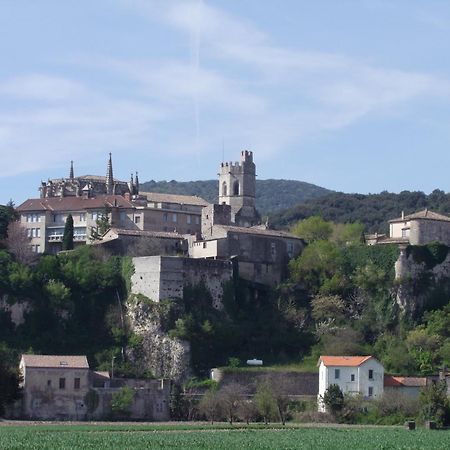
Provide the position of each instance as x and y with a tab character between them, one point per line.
67	243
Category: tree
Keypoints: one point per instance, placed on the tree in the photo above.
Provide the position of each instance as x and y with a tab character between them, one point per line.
230	397
434	404
313	229
67	243
18	243
247	411
210	405
102	223
7	215
281	388
265	402
122	400
333	399
325	307
9	378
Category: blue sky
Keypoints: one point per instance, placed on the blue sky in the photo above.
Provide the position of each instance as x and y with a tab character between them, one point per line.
352	95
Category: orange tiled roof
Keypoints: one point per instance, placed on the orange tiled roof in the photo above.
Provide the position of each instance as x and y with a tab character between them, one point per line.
352	361
56	361
392	381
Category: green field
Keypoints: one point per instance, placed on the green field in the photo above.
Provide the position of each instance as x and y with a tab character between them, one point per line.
218	437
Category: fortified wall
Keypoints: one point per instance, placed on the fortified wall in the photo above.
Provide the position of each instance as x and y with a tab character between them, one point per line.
164	277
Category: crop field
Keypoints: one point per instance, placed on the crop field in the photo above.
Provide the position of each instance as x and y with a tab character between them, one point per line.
137	437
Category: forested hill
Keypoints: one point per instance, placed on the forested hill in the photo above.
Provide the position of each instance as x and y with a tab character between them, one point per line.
373	210
271	195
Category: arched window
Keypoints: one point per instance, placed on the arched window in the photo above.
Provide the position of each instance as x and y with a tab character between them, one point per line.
236	188
224	189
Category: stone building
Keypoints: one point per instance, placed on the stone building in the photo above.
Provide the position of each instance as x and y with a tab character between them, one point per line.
89	197
418	228
232	229
59	387
165	277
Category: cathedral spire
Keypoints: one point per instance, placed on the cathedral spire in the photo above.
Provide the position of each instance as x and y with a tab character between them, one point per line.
109	177
71	176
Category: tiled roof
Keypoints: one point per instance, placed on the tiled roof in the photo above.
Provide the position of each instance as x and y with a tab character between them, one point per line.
392	381
425	214
74	203
158	197
258	231
100	373
56	361
351	361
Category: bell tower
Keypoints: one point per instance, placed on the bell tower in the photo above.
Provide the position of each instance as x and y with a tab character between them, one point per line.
237	188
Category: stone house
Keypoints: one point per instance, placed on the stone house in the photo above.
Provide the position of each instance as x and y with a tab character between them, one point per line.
59	387
418	228
407	386
363	375
54	387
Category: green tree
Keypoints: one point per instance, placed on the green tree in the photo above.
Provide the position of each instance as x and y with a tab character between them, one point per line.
265	402
328	307
435	404
103	224
333	399
9	378
318	263
348	233
122	400
67	243
313	229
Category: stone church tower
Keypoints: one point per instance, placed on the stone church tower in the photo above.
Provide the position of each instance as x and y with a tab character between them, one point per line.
237	188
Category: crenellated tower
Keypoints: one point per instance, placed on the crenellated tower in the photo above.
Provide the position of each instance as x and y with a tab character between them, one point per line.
237	188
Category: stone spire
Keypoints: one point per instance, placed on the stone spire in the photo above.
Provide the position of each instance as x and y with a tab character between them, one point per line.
109	177
136	183
71	176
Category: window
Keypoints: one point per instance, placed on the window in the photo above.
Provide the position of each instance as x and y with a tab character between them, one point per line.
76	383
38	232
29	232
273	249
174	217
62	383
82	217
137	219
197	220
38	248
370	391
337	374
370	374
352	377
49	383
236	188
224	189
290	249
94	215
165	217
188	219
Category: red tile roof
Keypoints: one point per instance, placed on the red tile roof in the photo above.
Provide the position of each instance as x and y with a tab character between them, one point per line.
74	203
351	361
56	361
391	381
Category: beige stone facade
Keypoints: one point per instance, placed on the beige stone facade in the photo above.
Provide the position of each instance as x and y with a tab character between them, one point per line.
57	388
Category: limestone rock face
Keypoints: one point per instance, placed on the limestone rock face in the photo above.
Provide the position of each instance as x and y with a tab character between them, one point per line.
164	356
416	282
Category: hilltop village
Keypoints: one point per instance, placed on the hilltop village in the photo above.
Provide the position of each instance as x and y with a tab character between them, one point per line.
122	290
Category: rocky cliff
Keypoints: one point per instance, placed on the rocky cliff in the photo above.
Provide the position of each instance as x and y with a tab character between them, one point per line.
155	350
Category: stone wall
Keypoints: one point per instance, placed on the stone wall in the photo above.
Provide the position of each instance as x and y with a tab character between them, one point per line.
425	231
164	277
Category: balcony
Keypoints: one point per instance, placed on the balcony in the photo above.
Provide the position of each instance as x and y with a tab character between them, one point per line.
59	238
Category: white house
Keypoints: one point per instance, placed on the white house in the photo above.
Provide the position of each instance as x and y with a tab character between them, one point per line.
362	375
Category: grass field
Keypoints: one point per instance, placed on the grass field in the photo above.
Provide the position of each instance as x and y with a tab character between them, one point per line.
219	437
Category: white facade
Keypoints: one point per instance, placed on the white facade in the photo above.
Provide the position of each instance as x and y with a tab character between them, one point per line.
353	374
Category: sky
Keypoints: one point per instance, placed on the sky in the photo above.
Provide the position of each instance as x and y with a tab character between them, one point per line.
351	95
